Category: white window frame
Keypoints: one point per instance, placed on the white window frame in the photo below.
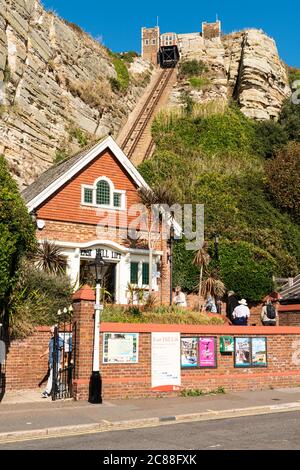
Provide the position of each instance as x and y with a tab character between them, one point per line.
113	191
147	42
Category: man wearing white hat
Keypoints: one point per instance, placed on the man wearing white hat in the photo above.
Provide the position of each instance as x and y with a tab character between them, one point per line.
241	313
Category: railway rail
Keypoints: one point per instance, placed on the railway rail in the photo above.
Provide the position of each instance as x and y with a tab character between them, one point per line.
134	135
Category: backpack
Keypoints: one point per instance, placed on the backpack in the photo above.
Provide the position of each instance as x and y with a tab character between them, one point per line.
271	312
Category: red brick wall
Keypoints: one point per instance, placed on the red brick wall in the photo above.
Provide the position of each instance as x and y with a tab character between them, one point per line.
289	318
134	380
24	367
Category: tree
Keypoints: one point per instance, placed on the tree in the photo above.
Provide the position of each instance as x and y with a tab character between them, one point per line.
201	259
17	233
157	197
283	174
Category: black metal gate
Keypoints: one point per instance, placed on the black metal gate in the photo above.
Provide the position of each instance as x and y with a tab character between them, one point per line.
64	348
2	362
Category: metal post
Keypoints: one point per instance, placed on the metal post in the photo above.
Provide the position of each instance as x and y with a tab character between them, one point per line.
95	392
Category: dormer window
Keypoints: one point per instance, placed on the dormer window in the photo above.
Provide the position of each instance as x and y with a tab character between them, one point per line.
103	194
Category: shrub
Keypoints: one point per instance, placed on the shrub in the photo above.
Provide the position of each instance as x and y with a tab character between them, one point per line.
36	299
161	314
17	233
290	120
246	269
79	135
199	82
94	93
122	73
269	137
283	174
189	68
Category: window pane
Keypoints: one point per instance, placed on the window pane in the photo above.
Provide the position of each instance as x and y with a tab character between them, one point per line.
103	193
88	196
145	273
134	270
117	200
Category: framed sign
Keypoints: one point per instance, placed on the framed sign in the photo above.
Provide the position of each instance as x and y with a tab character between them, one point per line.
189	352
242	354
250	352
165	361
226	344
120	348
207	348
259	352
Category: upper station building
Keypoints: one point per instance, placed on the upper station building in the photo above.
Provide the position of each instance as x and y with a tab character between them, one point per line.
84	204
165	49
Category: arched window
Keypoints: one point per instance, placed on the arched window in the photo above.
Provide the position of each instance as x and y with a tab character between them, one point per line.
103	193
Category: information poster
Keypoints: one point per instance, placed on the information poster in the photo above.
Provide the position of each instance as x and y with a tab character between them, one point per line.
120	348
189	352
165	361
259	352
226	344
207	352
242	352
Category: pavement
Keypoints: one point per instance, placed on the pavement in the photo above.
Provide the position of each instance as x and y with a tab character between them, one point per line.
25	416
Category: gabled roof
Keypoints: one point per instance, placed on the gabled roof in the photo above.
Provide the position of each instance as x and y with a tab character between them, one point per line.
51	180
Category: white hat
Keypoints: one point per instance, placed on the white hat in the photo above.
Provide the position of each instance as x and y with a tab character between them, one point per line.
243	302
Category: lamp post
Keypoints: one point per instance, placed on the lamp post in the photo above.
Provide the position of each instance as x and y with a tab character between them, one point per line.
170	259
98	268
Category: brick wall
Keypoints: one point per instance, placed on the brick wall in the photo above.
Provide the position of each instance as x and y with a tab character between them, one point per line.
134	380
24	367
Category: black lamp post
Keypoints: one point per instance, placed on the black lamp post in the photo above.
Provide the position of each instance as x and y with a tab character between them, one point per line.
170	259
98	268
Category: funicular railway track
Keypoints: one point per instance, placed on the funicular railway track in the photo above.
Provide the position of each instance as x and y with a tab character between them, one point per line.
136	132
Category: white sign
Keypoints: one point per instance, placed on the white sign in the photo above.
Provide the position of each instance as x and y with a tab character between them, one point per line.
165	361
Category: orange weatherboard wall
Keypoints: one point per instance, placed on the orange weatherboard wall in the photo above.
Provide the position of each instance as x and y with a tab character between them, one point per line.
65	205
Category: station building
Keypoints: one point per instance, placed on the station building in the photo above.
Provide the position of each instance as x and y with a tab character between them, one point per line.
84	204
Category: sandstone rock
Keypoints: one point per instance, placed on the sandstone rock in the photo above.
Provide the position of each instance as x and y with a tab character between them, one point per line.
44	62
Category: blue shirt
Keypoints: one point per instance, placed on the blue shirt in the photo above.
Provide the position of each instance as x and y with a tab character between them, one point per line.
60	346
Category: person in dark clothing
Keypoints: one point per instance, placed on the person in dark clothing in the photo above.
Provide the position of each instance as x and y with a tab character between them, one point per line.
232	302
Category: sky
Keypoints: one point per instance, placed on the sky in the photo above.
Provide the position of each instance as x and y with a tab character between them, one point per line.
118	23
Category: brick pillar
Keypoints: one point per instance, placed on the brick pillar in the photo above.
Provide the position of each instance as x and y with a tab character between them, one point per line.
83	304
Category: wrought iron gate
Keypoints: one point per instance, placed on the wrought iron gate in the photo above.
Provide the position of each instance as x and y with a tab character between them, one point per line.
63	360
2	362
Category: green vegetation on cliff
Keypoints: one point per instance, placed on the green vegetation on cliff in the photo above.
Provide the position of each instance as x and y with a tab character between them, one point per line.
219	160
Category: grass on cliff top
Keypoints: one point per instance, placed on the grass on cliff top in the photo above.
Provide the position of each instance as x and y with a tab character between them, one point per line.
161	314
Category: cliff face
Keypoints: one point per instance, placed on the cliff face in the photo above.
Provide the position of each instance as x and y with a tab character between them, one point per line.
242	65
56	88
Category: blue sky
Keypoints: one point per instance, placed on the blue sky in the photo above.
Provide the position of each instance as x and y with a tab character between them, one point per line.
119	22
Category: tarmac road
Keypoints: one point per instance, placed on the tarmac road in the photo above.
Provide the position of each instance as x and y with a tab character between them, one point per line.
272	432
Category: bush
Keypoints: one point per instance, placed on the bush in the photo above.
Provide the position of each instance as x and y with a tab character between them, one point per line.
290	120
269	137
246	269
122	73
161	314
198	82
17	233
36	299
189	68
283	174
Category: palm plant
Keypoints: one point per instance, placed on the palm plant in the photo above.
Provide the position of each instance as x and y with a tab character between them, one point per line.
48	257
213	287
201	259
157	197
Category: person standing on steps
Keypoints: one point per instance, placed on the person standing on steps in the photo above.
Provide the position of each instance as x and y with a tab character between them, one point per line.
269	313
50	352
241	314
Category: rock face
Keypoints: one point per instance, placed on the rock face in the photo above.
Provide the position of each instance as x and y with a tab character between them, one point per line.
55	88
242	65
